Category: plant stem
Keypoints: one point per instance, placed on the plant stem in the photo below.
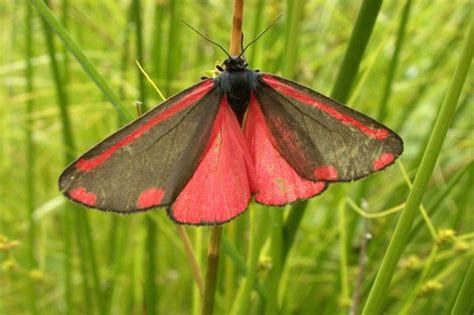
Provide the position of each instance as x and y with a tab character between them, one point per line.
216	231
400	236
464	299
55	25
258	232
30	160
236	32
212	268
355	50
394	62
342	87
188	250
343	261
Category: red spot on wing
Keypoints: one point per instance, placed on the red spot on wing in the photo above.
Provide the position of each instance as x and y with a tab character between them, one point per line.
277	183
82	195
150	197
193	96
384	160
378	134
326	172
220	188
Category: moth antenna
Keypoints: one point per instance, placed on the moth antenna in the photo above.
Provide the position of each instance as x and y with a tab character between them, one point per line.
260	35
206	38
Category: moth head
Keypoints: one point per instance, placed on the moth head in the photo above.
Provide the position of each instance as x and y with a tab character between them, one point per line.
235	63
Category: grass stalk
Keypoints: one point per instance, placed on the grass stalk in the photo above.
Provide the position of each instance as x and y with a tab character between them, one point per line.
197	293
464	301
342	87
188	250
230	279
68	145
81	221
173	58
278	245
30	163
383	105
216	231
87	66
400	236
345	299
355	50
212	270
151	290
257	235
273	281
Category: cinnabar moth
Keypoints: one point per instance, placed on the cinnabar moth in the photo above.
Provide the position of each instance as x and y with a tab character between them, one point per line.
204	152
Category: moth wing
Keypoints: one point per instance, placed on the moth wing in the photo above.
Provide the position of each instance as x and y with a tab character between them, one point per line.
320	138
276	182
147	163
221	186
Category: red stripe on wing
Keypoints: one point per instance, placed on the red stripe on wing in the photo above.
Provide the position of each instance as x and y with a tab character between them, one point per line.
378	134
384	160
89	164
150	197
83	196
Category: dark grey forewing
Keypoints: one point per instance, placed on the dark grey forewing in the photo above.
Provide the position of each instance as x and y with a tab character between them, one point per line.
319	146
162	159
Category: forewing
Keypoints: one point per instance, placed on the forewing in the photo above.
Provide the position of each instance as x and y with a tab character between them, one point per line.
221	186
276	182
148	162
321	138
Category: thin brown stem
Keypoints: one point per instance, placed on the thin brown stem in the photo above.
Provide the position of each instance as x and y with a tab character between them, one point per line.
188	250
236	34
212	268
216	231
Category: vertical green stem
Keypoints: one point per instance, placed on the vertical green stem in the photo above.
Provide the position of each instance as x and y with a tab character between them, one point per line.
230	269
212	268
30	160
399	238
342	87
258	233
81	222
355	50
343	263
174	46
150	291
56	26
273	282
464	301
394	62
68	145
198	249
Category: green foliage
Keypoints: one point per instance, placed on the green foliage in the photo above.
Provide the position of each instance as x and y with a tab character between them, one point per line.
397	60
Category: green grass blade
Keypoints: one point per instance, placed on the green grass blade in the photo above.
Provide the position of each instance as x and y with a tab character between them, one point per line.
399	238
257	235
55	25
355	50
383	105
342	87
464	301
31	163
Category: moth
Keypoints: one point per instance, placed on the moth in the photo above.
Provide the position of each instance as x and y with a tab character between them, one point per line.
205	152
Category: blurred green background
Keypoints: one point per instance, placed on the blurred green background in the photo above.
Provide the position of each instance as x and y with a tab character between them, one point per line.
57	258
